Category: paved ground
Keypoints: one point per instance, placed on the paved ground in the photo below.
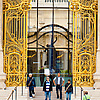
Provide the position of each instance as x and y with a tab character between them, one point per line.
40	94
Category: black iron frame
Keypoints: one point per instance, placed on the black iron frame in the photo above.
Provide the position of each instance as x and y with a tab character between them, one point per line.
53	25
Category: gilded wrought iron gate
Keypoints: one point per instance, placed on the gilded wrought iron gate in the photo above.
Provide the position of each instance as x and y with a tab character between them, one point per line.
15	14
84	40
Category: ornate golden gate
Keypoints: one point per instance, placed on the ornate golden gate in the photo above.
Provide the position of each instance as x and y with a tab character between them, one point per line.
84	40
15	14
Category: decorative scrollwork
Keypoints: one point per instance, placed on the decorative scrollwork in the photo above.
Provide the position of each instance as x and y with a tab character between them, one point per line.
94	6
74	6
84	40
25	6
6	6
17	4
15	40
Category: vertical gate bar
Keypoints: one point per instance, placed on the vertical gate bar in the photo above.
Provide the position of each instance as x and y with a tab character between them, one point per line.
22	88
37	34
21	26
85	26
52	38
4	37
12	95
15	93
24	83
18	39
95	33
73	51
81	93
75	89
68	35
24	39
75	42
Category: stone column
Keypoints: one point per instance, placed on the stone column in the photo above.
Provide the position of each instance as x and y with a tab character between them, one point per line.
2	74
97	74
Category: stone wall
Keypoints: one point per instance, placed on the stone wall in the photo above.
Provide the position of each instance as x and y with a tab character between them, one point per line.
2	74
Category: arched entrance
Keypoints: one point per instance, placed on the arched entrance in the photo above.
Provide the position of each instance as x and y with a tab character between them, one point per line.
62	61
46	47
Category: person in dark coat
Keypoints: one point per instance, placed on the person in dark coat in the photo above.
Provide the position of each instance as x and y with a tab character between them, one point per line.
47	88
68	89
31	84
41	75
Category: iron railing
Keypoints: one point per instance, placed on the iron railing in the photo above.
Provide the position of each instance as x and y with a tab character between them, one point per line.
81	90
15	90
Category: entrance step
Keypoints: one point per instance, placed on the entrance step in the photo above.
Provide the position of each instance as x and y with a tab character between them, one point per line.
4	94
94	94
39	94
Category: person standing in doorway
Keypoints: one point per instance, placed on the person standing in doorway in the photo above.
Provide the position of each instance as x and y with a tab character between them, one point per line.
31	84
86	96
41	75
68	89
58	82
47	88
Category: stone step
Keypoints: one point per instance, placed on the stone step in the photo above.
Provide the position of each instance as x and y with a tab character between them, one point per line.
41	96
94	94
92	98
4	94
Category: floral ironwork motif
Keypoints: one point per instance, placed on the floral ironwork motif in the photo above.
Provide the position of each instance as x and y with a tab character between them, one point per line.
84	40
15	14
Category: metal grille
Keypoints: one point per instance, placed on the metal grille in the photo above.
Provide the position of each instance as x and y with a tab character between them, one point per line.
84	40
15	40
